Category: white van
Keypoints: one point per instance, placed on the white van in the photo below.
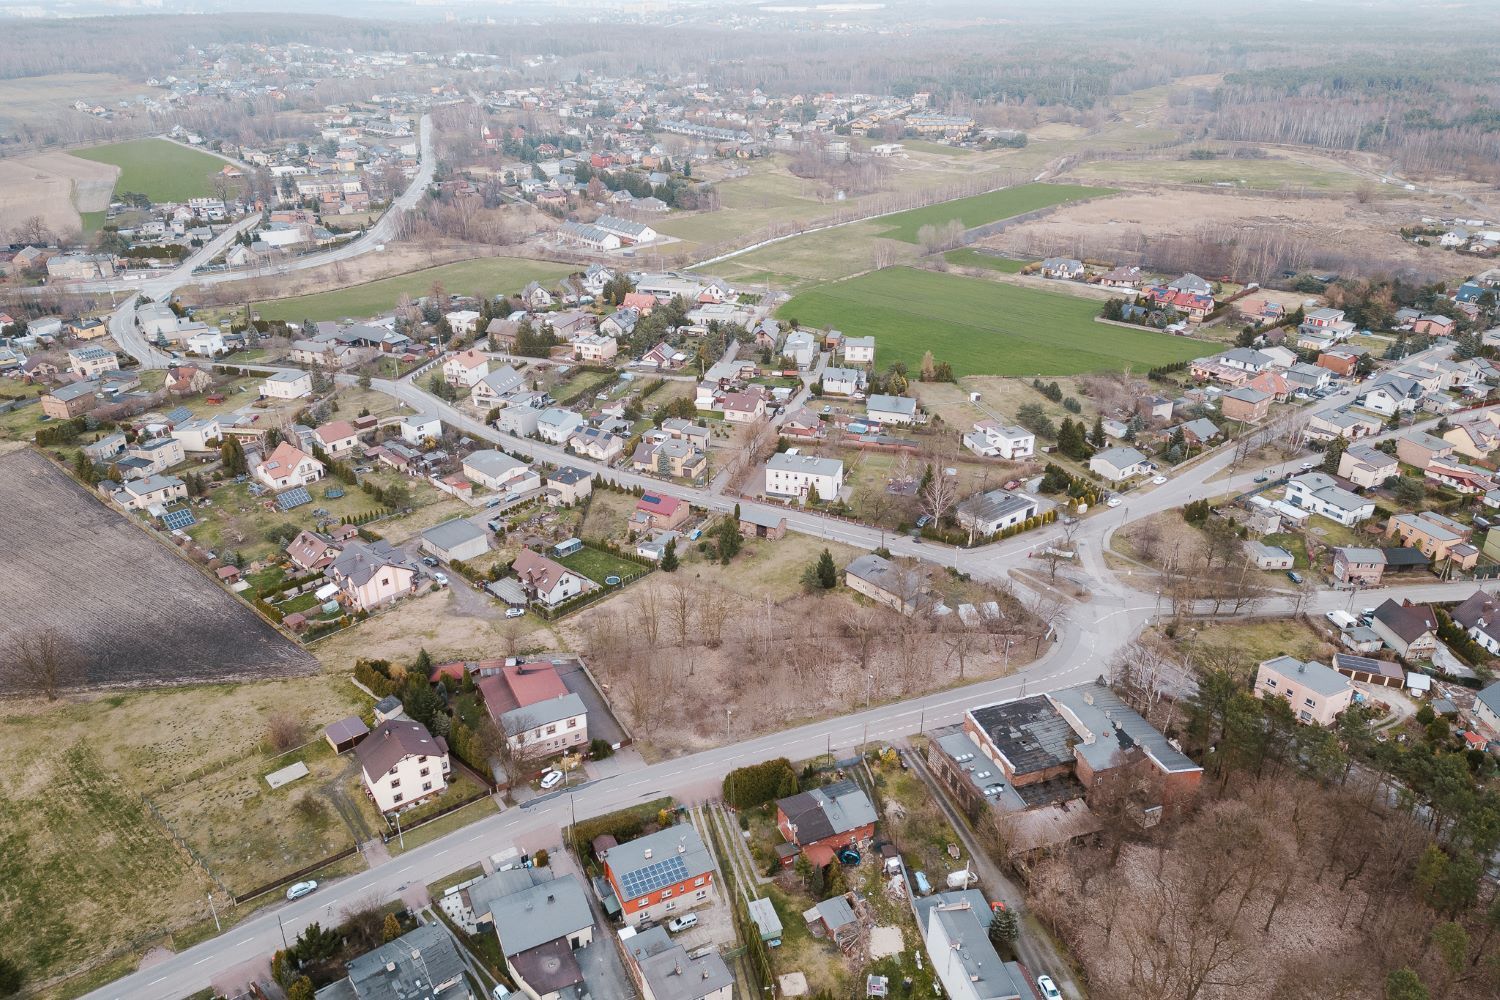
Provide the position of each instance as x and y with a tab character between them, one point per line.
683	922
1342	620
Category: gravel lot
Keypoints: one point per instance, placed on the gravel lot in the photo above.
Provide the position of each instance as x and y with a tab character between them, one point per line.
140	614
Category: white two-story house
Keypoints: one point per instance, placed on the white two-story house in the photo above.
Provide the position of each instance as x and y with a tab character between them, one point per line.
402	764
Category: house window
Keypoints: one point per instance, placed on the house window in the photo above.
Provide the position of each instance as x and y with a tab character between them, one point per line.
643	902
671	905
397	797
395	782
572	723
426	786
1305	716
666	894
1270	682
1308	702
698	880
551	729
702	893
424	772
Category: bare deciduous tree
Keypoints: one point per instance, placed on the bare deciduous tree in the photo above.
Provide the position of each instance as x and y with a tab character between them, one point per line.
45	663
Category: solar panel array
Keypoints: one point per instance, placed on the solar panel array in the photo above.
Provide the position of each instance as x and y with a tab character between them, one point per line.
647	880
295	497
176	520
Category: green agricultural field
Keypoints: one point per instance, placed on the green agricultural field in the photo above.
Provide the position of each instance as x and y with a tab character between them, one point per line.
981	327
985	208
483	276
158	169
1271	174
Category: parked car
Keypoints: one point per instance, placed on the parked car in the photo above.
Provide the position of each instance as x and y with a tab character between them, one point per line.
499	992
515	612
682	923
552	779
1112	502
1294	576
1048	988
924	520
301	889
429	561
492	502
1306	466
1158	480
441	579
1262	478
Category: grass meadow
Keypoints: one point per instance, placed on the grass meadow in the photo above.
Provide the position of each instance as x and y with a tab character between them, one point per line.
158	169
980	327
985	208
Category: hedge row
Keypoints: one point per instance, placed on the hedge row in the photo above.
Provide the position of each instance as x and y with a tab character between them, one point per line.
757	784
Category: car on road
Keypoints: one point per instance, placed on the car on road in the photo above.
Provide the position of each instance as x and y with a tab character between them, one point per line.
441	579
1158	480
1306	466
515	612
1262	478
301	889
1048	988
682	923
1112	502
429	561
551	779
492	502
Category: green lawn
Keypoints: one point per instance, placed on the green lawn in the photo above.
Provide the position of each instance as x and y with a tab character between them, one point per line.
1270	174
985	208
158	169
483	276
981	327
596	564
969	257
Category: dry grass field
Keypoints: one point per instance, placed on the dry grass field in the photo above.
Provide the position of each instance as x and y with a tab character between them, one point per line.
137	613
56	187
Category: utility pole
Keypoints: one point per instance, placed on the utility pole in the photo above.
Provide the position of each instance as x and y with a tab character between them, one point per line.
215	912
399	835
284	945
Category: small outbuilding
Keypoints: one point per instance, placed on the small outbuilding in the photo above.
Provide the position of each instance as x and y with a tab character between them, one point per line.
345	734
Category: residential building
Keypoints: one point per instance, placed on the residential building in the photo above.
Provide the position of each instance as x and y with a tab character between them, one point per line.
843	381
802	424
1479	616
463	321
548	582
71	400
534	709
823	821
1063	268
371	574
756	523
597	444
669	457
1268	557
1466	479
540	920
312	551
992	439
1436	536
1389	394
595	349
500	385
794	475
1318	493
337	438
1486	711
458	540
556	425
992	512
568	485
744	407
520	420
462	370
955	929
91	362
287	385
419	428
890	410
402	764
664	970
1317	693
1341	423
902	588
1366	466
660	512
208	344
288	466
1362	567
149	491
500	472
159	454
859	350
424	964
1409	629
1419	448
1120	463
187	380
661	874
1245	404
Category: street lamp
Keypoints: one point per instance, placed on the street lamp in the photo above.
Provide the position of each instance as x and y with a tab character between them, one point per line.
869	687
727	713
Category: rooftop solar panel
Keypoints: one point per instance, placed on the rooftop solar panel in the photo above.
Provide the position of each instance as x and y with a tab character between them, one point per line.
645	881
176	520
295	497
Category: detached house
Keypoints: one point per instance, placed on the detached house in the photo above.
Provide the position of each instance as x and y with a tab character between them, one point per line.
1317	693
1317	492
660	874
1119	464
992	439
796	475
1479	616
884	581
1409	629
1366	466
336	438
534	709
548	582
823	821
464	369
1435	536
402	764
288	466
371	574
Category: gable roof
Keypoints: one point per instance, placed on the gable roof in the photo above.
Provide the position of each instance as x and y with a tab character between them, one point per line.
394	741
1409	622
642	866
540	572
826	812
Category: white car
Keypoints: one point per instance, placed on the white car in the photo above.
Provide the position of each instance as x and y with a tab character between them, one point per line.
515	612
552	779
1158	480
1112	502
301	889
1048	988
441	579
682	923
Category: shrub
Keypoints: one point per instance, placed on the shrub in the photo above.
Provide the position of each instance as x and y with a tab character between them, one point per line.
756	784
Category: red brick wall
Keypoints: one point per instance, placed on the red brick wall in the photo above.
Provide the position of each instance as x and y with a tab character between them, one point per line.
683	888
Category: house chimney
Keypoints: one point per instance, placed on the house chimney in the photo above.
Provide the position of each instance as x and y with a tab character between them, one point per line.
390	967
646	854
551	898
681	848
677	968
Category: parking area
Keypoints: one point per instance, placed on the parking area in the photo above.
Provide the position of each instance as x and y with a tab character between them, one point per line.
715	927
602	723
